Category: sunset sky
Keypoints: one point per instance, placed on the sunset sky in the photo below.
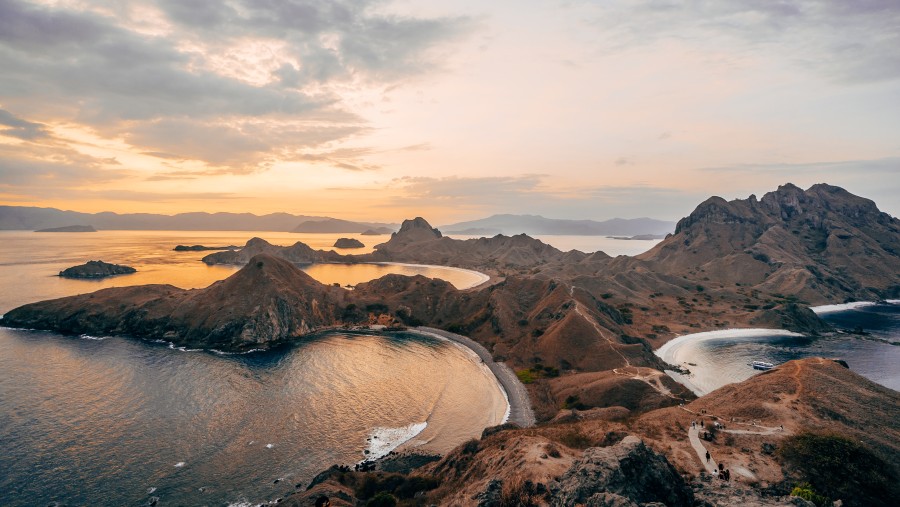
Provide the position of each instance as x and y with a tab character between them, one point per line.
374	110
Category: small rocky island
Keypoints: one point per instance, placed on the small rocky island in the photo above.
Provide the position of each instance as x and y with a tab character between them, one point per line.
378	231
202	248
348	243
69	228
96	269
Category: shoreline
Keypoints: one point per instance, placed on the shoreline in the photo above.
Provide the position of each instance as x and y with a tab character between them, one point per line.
669	351
519	404
483	278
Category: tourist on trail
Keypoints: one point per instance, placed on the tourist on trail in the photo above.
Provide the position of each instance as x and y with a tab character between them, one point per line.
707	456
323	501
727	474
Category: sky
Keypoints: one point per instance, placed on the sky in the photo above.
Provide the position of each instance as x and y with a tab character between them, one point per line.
379	110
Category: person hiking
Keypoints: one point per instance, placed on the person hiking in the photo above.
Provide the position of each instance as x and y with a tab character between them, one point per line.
707	456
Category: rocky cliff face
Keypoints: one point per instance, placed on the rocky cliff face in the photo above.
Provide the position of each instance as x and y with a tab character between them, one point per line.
819	244
626	474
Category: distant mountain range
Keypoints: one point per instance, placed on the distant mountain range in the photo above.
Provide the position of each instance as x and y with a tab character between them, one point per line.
32	218
538	225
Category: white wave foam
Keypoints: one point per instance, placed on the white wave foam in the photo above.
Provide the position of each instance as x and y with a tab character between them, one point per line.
384	440
819	310
89	337
150	490
179	464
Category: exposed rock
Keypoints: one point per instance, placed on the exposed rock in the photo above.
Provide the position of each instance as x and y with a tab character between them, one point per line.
348	243
625	474
69	228
96	269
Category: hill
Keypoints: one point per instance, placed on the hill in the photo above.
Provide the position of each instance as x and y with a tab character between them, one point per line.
538	225
69	228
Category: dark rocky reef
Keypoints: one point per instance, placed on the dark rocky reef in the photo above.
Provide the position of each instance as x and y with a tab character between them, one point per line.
69	228
348	243
96	269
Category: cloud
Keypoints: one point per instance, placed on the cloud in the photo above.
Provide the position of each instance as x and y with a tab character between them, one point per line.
234	85
56	167
21	129
845	41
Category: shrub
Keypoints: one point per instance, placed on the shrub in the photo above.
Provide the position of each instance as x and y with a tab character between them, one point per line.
525	376
805	491
382	500
575	439
839	468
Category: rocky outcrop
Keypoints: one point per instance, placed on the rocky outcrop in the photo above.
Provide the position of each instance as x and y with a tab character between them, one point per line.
96	269
627	474
348	243
298	253
822	244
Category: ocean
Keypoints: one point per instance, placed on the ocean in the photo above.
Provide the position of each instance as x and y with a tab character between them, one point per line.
113	421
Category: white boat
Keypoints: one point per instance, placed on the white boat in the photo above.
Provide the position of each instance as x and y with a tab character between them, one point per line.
762	365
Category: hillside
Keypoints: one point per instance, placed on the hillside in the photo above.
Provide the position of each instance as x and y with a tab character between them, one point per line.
334	225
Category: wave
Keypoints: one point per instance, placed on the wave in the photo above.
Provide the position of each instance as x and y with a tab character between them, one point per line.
384	440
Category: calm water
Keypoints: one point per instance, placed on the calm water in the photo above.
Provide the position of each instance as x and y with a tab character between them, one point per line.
721	358
115	421
589	244
29	261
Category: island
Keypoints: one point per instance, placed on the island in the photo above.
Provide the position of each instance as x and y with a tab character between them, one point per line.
69	228
96	269
348	243
579	331
202	248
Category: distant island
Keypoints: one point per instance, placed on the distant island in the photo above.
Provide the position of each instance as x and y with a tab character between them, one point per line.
380	231
201	248
348	243
69	228
96	269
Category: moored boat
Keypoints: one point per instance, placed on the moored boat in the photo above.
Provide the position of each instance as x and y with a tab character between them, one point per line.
762	365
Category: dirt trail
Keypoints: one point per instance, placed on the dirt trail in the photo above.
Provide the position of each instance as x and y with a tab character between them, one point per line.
596	325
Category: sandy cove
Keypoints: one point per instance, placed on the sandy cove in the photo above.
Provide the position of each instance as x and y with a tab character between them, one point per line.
520	411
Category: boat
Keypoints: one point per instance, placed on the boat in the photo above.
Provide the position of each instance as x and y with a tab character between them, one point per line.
762	365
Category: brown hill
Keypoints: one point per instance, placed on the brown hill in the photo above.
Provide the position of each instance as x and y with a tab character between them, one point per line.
805	397
821	245
267	302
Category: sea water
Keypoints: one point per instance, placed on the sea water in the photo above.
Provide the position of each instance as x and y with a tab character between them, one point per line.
97	420
722	357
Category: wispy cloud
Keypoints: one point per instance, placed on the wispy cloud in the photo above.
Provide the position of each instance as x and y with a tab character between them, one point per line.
13	126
